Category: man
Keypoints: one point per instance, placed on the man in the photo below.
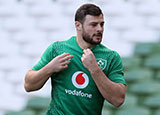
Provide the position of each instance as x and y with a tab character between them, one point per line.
83	72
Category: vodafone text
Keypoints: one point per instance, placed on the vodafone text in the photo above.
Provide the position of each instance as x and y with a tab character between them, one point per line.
78	93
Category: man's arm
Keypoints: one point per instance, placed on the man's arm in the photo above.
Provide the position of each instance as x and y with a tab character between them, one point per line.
111	91
34	80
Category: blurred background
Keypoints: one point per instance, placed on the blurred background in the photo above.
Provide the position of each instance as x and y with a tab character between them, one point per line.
28	27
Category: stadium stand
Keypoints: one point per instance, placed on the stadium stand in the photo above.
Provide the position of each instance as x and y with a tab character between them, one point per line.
27	27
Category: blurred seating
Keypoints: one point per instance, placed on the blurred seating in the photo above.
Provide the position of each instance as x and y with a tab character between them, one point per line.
134	111
38	103
152	102
146	49
126	23
157	112
153	62
28	27
150	8
138	35
142	75
118	8
106	112
36	2
154	23
23	112
35	106
145	88
158	75
138	74
130	63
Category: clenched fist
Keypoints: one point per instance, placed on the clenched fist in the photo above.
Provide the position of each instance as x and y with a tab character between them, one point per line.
59	63
88	59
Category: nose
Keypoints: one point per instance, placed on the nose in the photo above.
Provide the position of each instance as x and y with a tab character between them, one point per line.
99	28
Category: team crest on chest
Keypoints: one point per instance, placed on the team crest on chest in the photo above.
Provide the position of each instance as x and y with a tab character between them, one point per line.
102	63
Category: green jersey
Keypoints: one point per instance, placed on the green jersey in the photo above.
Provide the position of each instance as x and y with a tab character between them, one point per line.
73	90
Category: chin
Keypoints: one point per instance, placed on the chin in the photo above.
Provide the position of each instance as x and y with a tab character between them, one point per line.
97	42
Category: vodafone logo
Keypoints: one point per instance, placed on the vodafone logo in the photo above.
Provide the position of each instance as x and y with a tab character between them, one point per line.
80	80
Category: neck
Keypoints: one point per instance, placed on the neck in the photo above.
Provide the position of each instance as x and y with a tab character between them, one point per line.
83	44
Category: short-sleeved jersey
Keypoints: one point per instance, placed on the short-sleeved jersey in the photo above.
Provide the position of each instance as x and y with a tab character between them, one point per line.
73	90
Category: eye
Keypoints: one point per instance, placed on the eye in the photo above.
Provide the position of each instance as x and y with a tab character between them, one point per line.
93	24
102	24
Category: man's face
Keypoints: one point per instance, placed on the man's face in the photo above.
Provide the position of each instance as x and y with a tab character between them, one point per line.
92	29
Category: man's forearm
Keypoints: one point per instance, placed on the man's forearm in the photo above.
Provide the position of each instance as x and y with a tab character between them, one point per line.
35	80
111	91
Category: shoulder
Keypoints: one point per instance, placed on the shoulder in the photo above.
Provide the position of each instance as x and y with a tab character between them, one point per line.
106	49
62	43
111	53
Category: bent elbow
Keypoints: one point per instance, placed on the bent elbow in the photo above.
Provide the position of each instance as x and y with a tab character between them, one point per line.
119	102
30	87
26	87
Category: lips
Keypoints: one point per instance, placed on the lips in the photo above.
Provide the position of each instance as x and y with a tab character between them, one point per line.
98	35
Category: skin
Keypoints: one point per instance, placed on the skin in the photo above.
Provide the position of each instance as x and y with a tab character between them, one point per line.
93	26
34	80
92	29
111	91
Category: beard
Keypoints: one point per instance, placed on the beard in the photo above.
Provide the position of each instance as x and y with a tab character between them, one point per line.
89	39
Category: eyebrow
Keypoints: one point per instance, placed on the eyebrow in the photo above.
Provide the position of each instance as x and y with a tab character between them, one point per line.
97	22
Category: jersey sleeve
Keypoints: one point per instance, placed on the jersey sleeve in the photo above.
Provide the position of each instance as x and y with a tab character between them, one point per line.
46	57
116	69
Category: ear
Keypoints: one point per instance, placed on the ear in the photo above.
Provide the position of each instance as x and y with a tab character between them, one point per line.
78	25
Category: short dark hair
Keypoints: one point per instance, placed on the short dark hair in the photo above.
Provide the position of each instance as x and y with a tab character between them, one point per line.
87	9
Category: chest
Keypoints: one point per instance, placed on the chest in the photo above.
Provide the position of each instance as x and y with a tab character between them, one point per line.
76	76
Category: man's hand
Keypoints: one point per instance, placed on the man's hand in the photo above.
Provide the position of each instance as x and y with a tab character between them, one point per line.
111	91
34	80
59	63
88	59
